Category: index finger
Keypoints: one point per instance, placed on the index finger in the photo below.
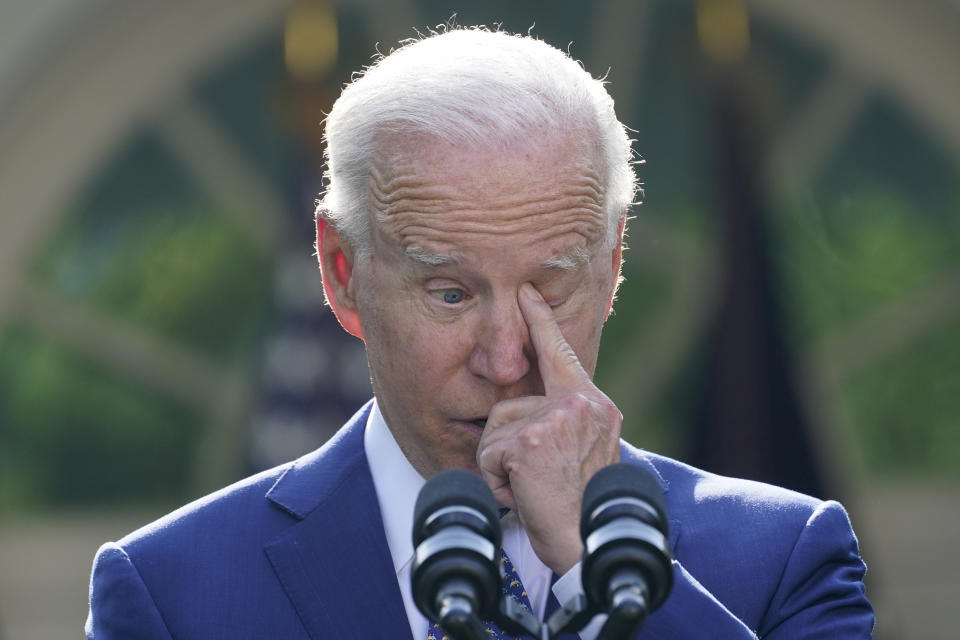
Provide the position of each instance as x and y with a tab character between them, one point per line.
559	366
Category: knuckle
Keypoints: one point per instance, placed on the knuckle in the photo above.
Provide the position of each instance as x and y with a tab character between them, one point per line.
534	435
558	414
486	458
576	406
510	467
616	415
508	410
605	407
580	402
611	413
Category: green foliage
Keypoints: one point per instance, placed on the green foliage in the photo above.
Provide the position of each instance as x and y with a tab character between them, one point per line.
841	261
837	263
201	282
71	433
644	313
905	408
189	275
642	296
846	260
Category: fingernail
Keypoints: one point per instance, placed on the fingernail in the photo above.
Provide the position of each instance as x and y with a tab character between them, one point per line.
531	292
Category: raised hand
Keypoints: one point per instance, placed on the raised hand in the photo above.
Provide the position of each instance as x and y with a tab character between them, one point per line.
538	452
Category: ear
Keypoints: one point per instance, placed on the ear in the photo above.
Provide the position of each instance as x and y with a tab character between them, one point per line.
616	263
336	267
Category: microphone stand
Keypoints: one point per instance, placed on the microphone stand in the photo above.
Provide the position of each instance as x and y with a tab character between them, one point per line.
628	610
517	620
458	619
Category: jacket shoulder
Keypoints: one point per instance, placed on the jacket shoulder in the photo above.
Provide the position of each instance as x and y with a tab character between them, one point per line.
259	504
740	538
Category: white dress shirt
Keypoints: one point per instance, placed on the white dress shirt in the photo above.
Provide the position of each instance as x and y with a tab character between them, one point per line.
397	485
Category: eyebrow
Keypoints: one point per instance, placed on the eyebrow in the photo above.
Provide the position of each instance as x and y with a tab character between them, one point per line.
428	258
572	259
569	261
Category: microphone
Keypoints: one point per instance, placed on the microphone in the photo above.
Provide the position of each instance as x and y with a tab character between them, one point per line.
626	568
456	537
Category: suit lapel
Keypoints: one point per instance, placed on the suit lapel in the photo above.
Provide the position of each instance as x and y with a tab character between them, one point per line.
334	563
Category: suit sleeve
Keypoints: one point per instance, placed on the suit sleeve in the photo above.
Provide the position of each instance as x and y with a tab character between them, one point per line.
120	604
820	595
694	614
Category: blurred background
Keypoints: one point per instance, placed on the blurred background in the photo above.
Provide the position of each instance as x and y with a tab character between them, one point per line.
791	311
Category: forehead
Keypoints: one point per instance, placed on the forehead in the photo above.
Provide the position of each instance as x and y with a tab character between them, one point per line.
431	198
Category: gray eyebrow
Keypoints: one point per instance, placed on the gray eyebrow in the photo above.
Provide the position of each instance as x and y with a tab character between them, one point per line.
426	257
576	257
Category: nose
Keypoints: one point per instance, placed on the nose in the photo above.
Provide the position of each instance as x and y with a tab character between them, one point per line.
502	344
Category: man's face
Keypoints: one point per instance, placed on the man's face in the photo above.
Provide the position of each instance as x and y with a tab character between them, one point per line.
459	232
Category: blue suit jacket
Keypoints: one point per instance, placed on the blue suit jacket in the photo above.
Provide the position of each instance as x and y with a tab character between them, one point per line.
299	552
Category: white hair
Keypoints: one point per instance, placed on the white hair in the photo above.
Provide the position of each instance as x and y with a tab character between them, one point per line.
475	88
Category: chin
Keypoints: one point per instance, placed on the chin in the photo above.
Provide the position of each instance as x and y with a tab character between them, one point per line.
468	462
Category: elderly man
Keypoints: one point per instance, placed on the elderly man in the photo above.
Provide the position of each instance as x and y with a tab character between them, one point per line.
479	184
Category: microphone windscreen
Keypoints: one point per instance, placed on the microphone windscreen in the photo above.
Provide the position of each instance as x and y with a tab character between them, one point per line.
454	487
622	480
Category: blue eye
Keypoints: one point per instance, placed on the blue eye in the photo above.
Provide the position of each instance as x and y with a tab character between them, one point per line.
453	296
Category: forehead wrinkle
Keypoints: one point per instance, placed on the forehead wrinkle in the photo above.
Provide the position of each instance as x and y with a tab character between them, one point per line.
447	215
389	193
451	215
443	217
420	197
418	235
402	186
584	219
407	192
412	228
414	202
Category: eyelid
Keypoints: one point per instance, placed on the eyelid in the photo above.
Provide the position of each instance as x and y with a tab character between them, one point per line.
437	294
557	296
439	284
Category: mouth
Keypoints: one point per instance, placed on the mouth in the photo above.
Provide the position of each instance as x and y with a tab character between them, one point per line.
476	425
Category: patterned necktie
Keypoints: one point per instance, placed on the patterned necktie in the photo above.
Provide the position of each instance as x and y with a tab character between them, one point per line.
510	586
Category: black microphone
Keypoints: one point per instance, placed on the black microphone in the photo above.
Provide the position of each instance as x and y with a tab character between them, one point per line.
626	569
456	537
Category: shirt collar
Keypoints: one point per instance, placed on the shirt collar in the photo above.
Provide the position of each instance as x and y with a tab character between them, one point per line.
397	485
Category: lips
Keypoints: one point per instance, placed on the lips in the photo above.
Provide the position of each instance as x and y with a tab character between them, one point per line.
479	423
473	425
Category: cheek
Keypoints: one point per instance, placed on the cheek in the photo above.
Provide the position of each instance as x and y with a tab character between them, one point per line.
582	324
582	332
410	348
